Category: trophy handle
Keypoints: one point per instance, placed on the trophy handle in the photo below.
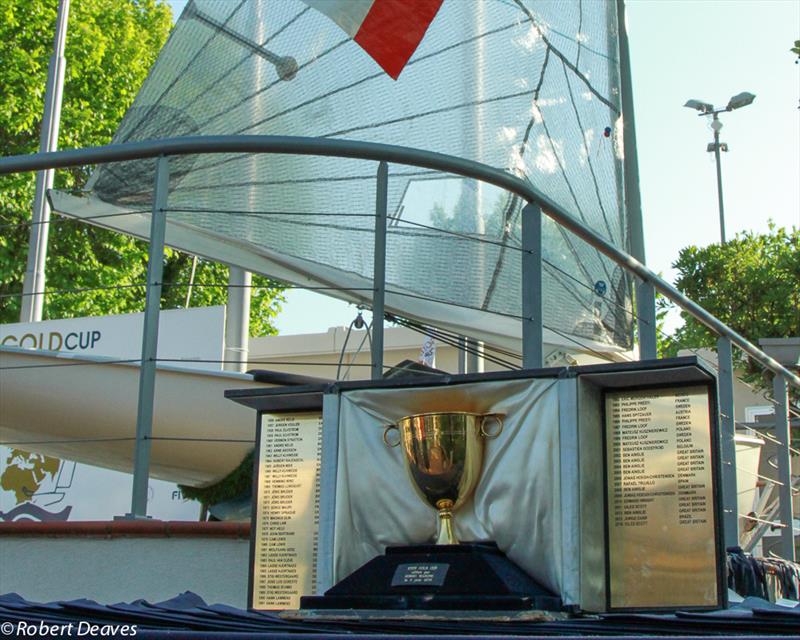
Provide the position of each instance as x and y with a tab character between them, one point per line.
492	416
386	436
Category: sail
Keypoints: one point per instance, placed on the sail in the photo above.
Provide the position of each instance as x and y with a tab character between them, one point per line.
527	86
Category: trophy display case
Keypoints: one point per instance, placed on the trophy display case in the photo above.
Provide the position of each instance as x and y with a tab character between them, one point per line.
597	484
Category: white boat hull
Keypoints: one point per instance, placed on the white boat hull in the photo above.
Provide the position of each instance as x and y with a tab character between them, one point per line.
84	409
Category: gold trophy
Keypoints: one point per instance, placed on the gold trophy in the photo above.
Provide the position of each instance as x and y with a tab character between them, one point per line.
444	456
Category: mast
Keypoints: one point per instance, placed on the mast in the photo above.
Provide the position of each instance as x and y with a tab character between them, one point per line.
645	293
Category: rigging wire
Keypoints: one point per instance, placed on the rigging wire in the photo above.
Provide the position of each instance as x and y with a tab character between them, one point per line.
564	59
238	212
303	181
50	292
263	361
602	356
16	443
359	323
452	304
589	160
50	365
275	285
456	234
62	219
453	340
445	333
761	431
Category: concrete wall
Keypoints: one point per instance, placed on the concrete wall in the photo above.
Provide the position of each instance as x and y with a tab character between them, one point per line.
317	354
124	568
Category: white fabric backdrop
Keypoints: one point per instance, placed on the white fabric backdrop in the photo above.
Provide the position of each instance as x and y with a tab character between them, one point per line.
517	500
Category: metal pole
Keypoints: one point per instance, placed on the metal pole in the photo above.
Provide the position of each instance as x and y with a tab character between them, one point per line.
237	320
474	361
379	270
33	283
286	66
780	394
717	125
191	282
532	332
730	520
474	125
147	371
645	293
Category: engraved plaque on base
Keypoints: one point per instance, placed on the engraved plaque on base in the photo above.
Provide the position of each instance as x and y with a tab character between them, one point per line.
286	510
428	574
473	576
663	547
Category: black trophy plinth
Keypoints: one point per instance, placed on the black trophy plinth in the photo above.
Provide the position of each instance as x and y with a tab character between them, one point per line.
467	576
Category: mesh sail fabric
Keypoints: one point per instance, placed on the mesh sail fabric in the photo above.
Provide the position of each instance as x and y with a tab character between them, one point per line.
527	86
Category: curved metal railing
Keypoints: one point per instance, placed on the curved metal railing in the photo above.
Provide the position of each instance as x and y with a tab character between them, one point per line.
395	154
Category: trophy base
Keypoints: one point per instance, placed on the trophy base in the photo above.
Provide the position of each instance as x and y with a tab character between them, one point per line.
471	575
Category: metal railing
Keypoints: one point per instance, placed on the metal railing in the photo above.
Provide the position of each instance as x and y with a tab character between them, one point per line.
538	204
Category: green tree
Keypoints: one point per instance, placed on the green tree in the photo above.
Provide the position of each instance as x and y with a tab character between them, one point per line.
751	283
111	45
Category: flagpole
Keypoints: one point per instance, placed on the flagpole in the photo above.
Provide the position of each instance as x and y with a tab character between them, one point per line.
34	281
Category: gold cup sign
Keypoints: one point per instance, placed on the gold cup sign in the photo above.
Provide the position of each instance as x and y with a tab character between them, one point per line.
444	458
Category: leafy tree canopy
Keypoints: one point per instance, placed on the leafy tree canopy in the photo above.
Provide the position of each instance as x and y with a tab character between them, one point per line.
751	283
111	45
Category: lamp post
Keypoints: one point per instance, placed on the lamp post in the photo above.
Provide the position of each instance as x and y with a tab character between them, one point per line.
706	109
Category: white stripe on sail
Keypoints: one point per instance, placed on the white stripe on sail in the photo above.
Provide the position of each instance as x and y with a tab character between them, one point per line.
348	14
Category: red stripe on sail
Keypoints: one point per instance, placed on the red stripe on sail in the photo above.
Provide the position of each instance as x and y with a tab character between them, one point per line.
393	29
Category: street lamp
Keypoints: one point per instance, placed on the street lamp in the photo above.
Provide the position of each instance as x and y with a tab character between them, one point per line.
706	109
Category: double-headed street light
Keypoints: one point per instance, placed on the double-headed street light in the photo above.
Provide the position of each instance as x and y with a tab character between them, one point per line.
706	109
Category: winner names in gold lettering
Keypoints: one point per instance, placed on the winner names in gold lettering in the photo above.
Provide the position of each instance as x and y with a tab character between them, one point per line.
662	546
287	510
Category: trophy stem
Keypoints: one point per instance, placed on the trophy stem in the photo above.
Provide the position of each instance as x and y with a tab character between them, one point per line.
446	534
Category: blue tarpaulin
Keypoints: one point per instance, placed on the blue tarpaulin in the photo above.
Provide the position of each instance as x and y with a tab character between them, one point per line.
188	616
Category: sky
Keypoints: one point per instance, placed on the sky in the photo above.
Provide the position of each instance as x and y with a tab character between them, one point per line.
680	49
711	51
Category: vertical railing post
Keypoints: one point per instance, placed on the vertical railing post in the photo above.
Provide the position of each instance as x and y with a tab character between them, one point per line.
379	270
475	362
532	325
780	393
730	519
462	354
147	371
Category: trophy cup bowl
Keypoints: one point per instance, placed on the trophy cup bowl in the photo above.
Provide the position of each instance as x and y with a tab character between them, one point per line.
444	459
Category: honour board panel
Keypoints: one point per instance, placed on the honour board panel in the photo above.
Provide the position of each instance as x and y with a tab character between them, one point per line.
286	510
662	542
